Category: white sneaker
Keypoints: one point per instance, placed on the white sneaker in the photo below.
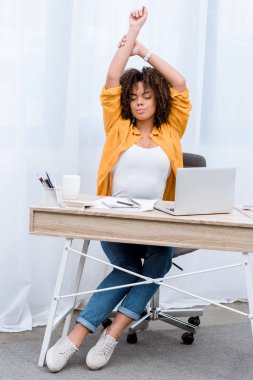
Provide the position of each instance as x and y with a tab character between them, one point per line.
58	355
100	354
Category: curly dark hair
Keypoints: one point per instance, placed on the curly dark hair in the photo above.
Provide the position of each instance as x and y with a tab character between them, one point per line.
151	78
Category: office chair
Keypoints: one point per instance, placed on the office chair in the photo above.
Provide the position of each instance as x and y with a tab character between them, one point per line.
169	316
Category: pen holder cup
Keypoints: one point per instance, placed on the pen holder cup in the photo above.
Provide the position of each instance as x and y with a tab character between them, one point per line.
52	197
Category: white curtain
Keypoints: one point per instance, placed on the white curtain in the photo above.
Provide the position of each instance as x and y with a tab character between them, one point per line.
54	57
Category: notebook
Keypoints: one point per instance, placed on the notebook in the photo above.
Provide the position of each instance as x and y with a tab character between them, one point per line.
202	191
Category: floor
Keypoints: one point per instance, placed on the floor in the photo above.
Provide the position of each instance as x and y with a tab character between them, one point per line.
212	316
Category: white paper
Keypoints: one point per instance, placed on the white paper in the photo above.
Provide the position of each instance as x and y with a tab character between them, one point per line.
145	204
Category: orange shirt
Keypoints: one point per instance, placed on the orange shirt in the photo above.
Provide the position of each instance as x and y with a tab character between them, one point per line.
120	136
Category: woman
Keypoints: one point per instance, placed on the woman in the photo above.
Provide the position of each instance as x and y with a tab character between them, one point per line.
145	115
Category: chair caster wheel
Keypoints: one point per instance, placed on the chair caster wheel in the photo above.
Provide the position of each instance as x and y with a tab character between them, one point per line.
106	322
132	338
187	338
194	321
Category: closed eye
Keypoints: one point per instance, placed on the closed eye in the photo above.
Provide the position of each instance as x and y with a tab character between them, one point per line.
145	96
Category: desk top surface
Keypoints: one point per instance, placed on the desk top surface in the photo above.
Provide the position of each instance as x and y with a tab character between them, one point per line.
235	218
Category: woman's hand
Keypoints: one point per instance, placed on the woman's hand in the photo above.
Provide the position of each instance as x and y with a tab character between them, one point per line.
138	17
136	48
136	21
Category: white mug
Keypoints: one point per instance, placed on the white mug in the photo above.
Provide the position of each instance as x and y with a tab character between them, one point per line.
70	186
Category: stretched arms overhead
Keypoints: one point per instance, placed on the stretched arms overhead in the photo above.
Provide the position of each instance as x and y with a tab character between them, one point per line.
176	80
129	45
136	21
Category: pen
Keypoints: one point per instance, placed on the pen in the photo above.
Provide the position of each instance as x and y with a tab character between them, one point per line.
49	180
125	203
47	183
42	181
132	200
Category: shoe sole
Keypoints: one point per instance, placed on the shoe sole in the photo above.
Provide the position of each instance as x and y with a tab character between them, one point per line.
92	367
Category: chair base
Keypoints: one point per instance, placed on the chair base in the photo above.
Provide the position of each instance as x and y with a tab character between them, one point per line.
170	317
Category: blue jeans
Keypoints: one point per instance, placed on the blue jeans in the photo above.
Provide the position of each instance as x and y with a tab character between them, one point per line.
157	262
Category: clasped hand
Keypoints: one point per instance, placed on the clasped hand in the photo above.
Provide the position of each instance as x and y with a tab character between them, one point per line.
137	18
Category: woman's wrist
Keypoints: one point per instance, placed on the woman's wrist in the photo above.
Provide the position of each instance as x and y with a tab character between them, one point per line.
132	33
142	51
135	28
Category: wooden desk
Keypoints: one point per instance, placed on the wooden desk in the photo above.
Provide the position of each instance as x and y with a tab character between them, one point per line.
226	232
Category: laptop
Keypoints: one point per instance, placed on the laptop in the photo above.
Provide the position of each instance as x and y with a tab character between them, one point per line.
202	191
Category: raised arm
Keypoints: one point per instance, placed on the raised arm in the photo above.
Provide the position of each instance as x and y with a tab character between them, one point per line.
176	80
136	21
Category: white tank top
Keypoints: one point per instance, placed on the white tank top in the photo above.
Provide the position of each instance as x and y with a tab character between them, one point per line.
140	173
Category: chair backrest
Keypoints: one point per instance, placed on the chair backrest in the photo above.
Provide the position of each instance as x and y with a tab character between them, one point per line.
190	160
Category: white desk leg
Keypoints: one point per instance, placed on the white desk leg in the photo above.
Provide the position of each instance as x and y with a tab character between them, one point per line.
76	286
249	284
53	307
